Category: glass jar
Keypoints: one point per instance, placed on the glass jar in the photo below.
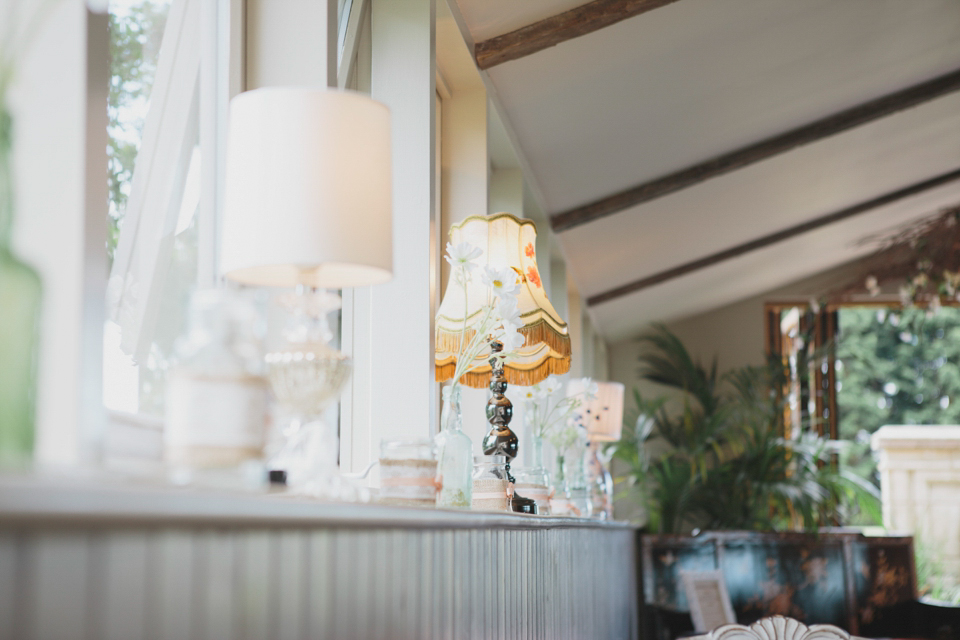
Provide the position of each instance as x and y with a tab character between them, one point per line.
491	488
534	483
216	402
408	473
455	454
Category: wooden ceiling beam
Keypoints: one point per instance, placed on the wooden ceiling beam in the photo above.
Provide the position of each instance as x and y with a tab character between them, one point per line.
745	156
773	238
559	28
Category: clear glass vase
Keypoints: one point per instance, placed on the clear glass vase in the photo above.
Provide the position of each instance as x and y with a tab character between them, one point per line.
20	290
572	496
600	483
455	454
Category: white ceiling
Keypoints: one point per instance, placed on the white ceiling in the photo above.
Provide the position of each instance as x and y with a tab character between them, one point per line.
698	78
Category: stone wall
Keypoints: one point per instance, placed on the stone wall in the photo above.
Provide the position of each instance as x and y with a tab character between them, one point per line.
920	482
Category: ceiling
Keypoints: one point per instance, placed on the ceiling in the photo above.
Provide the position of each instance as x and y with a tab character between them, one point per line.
686	82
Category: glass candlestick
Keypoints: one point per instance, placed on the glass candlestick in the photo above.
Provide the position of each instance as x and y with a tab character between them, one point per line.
306	373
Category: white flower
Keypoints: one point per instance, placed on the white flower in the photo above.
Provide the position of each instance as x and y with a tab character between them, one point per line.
531	393
509	314
552	385
590	389
462	255
502	281
511	339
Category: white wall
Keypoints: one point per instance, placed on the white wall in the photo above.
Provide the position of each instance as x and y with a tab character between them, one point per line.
60	227
733	333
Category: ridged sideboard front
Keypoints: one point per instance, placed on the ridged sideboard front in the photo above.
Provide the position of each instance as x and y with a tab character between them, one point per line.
97	562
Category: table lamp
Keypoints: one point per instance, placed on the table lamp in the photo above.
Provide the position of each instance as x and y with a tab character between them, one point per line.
307	205
603	417
506	242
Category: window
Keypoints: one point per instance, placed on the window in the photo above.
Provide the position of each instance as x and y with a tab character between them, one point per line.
894	366
170	82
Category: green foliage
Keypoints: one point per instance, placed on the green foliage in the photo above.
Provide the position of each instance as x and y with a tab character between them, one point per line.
933	579
895	367
135	39
719	460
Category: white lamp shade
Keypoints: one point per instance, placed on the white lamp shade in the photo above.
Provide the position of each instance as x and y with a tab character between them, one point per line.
602	416
308	189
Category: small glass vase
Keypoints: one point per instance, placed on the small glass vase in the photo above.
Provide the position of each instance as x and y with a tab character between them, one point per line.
600	483
572	496
454	453
20	290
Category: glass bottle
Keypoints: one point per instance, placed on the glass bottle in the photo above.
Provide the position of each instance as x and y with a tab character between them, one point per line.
20	290
455	454
578	493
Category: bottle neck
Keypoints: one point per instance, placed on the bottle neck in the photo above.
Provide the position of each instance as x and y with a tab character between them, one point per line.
537	451
6	177
561	469
451	419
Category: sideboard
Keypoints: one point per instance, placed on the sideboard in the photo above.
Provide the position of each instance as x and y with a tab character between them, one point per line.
92	561
835	577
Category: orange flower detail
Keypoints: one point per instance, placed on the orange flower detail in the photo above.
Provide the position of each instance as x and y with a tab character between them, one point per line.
533	276
529	250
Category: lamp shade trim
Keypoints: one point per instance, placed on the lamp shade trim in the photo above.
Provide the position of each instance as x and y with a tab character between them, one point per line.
479	377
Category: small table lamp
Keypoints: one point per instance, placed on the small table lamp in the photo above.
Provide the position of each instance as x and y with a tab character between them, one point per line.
307	205
506	241
603	418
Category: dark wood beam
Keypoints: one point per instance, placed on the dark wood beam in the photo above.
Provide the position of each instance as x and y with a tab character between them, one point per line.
560	28
773	238
753	153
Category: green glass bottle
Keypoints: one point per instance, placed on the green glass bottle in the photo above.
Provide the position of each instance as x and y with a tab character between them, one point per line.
20	290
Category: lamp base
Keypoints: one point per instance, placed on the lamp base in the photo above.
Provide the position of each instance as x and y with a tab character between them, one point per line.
519	504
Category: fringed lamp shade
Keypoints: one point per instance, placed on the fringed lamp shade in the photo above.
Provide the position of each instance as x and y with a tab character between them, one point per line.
602	416
506	241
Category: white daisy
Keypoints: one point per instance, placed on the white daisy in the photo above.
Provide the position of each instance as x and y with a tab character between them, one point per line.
511	339
507	308
502	281
463	255
552	384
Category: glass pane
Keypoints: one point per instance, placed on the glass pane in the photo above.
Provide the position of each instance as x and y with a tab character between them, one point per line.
136	31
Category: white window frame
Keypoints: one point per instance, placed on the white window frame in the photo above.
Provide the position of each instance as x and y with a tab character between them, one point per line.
199	70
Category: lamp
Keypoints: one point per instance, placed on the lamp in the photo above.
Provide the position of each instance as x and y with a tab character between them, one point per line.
506	242
603	417
307	204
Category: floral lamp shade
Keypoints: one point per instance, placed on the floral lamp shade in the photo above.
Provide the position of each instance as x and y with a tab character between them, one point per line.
602	415
506	242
